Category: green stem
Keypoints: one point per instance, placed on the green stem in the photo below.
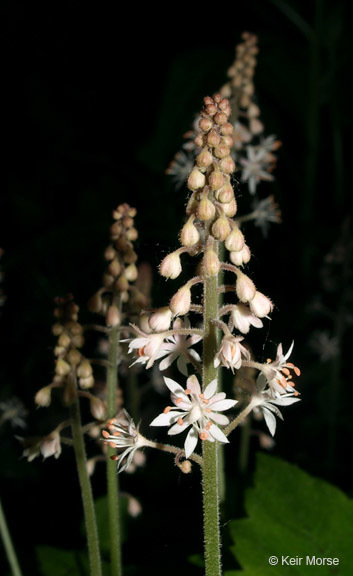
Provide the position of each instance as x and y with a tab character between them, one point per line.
112	476
210	480
86	489
8	545
245	433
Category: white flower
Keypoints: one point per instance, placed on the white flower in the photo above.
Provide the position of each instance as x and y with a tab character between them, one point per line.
195	409
123	434
148	347
254	168
325	345
277	374
181	167
268	406
242	318
178	348
264	212
241	135
231	352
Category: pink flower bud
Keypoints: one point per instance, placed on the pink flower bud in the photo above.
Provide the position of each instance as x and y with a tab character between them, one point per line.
245	288
210	263
204	159
227	129
260	305
227	165
131	272
213	139
181	301
235	240
113	317
43	397
196	179
221	228
97	407
216	180
221	151
170	267
225	194
230	208
189	235
160	319
205	124
205	210
242	257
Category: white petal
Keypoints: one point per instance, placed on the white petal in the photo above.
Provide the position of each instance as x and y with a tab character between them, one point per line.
218	434
174	387
223	405
138	343
167	361
269	406
289	352
219	418
176	429
182	365
261	382
270	421
210	389
285	401
191	442
193	385
166	419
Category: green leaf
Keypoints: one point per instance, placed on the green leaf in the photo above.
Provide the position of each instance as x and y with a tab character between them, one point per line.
292	514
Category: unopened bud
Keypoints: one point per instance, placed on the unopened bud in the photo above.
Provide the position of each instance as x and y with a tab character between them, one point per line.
225	194
196	179
122	284
97	407
113	317
204	159
181	301
86	383
43	397
131	273
185	466
227	129
235	240
170	267
64	340
84	370
221	151
241	257
108	280
260	305
221	118
74	357
245	288
57	329
132	234
160	319
227	165
256	126
109	253
221	228
62	368
114	267
210	263
205	124
230	208
216	180
77	340
213	139
205	210
95	303
189	235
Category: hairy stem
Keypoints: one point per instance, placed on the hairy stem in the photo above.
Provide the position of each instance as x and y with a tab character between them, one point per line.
112	476
210	480
86	489
8	545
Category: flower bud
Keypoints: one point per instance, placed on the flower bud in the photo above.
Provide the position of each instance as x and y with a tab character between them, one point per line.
181	301
210	263
245	288
204	159
221	151
189	235
97	407
95	303
216	180
64	340
241	257
131	273
205	124
84	370
86	383
130	256
113	317
260	305
221	228
225	194
196	180
108	280
199	141
57	329
110	253
213	139
62	368
160	319
144	322
185	466
227	129
122	284
74	357
170	267
221	118
205	210
230	208
132	234
78	341
235	240
256	126
227	165
114	267
43	397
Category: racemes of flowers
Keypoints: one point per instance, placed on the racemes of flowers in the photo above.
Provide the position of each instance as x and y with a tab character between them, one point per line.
254	151
198	404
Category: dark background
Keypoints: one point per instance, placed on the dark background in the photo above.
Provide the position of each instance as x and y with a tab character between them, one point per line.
96	104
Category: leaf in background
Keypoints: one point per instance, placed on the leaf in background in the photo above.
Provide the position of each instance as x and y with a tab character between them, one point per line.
292	513
57	562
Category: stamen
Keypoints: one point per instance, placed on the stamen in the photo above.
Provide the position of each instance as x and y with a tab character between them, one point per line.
180	421
187	391
116	433
178	400
112	445
203	435
285	371
208	426
208	410
297	370
167	409
290	365
114	457
268	360
141	352
105	434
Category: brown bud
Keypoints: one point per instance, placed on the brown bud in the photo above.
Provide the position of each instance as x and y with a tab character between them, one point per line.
225	194
204	159
210	263
206	209
131	273
114	268
227	165
221	151
213	139
109	253
121	284
227	129
205	124
216	180
196	180
132	234
221	118
221	228
74	357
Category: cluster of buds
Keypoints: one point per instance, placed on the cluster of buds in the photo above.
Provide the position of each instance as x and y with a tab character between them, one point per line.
121	273
250	149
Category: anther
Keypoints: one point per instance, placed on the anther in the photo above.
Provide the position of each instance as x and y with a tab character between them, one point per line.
167	409
114	457
297	370
178	400
105	434
203	435
180	421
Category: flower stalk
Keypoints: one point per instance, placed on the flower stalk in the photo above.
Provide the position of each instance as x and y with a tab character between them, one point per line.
8	544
